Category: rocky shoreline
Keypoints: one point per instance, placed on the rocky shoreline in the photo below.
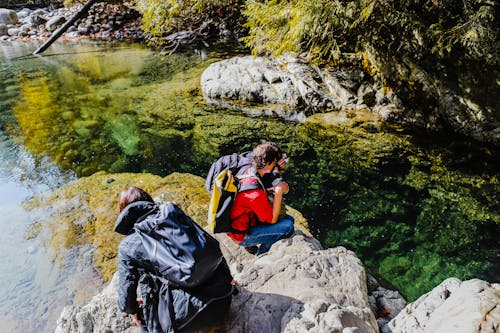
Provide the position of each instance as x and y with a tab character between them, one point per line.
104	21
300	287
294	90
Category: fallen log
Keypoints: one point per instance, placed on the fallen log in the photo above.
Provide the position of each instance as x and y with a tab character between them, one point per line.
83	11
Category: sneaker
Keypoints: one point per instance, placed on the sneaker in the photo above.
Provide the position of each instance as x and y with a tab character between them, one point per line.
251	249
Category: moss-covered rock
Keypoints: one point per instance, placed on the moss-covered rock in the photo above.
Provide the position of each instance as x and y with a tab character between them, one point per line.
83	212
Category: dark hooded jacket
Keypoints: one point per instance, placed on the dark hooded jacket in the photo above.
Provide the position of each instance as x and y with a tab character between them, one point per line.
165	308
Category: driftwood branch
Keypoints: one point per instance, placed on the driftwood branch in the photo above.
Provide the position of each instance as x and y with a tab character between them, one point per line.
83	11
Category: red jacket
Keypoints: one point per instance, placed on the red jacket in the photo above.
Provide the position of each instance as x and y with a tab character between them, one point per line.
249	207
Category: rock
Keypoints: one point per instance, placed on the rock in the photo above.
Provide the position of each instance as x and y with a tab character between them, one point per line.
342	86
39	17
3	29
290	88
453	306
54	22
469	118
13	31
366	95
8	16
82	29
24	13
26	28
385	304
101	314
263	87
295	287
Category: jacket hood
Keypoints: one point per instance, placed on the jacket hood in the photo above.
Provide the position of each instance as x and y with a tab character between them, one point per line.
131	214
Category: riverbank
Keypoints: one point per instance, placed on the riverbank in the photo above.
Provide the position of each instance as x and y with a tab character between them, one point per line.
104	21
308	287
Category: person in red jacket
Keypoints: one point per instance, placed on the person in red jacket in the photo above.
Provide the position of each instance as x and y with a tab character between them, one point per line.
255	220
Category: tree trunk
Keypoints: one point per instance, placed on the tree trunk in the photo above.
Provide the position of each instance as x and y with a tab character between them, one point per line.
83	11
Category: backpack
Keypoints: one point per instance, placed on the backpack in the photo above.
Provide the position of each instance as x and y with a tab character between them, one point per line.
222	183
237	163
179	249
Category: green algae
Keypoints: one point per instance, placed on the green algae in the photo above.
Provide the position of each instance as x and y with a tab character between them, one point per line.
83	212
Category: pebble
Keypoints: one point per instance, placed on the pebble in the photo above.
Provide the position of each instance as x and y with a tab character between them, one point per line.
104	21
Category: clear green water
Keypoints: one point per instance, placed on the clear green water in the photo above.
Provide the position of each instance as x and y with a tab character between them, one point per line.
415	209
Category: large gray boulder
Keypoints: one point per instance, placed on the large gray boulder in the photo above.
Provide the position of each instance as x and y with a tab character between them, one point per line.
261	86
291	88
296	287
299	287
8	16
101	314
453	306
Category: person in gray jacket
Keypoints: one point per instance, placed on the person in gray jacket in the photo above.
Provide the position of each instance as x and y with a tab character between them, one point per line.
164	307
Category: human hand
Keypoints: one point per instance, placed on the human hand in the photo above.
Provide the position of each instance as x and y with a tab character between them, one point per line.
135	317
136	320
282	162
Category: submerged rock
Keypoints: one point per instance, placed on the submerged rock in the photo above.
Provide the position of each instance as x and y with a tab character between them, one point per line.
83	212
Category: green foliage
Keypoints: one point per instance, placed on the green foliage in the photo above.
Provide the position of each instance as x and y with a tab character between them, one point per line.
162	18
316	27
324	29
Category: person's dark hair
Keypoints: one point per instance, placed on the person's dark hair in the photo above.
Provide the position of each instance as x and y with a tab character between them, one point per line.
266	152
133	194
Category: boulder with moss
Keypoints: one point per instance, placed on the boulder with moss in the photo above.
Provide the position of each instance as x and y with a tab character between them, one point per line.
83	212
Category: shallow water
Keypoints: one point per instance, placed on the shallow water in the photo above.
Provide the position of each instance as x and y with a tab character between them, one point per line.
415	209
34	289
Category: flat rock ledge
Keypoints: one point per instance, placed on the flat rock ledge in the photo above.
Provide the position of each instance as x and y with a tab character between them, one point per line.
300	287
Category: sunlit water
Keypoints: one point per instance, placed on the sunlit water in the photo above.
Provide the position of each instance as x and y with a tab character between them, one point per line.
414	212
33	289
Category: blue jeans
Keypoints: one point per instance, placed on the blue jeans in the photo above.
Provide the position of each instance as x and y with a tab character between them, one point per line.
267	234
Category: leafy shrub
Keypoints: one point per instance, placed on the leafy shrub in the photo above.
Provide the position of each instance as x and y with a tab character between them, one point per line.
162	18
325	29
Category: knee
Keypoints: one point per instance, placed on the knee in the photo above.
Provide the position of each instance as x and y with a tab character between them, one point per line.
289	227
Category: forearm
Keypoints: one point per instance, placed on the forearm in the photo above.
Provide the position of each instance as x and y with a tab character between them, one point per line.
278	198
127	290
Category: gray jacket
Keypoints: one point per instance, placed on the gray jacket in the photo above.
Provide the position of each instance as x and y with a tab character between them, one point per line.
165	307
